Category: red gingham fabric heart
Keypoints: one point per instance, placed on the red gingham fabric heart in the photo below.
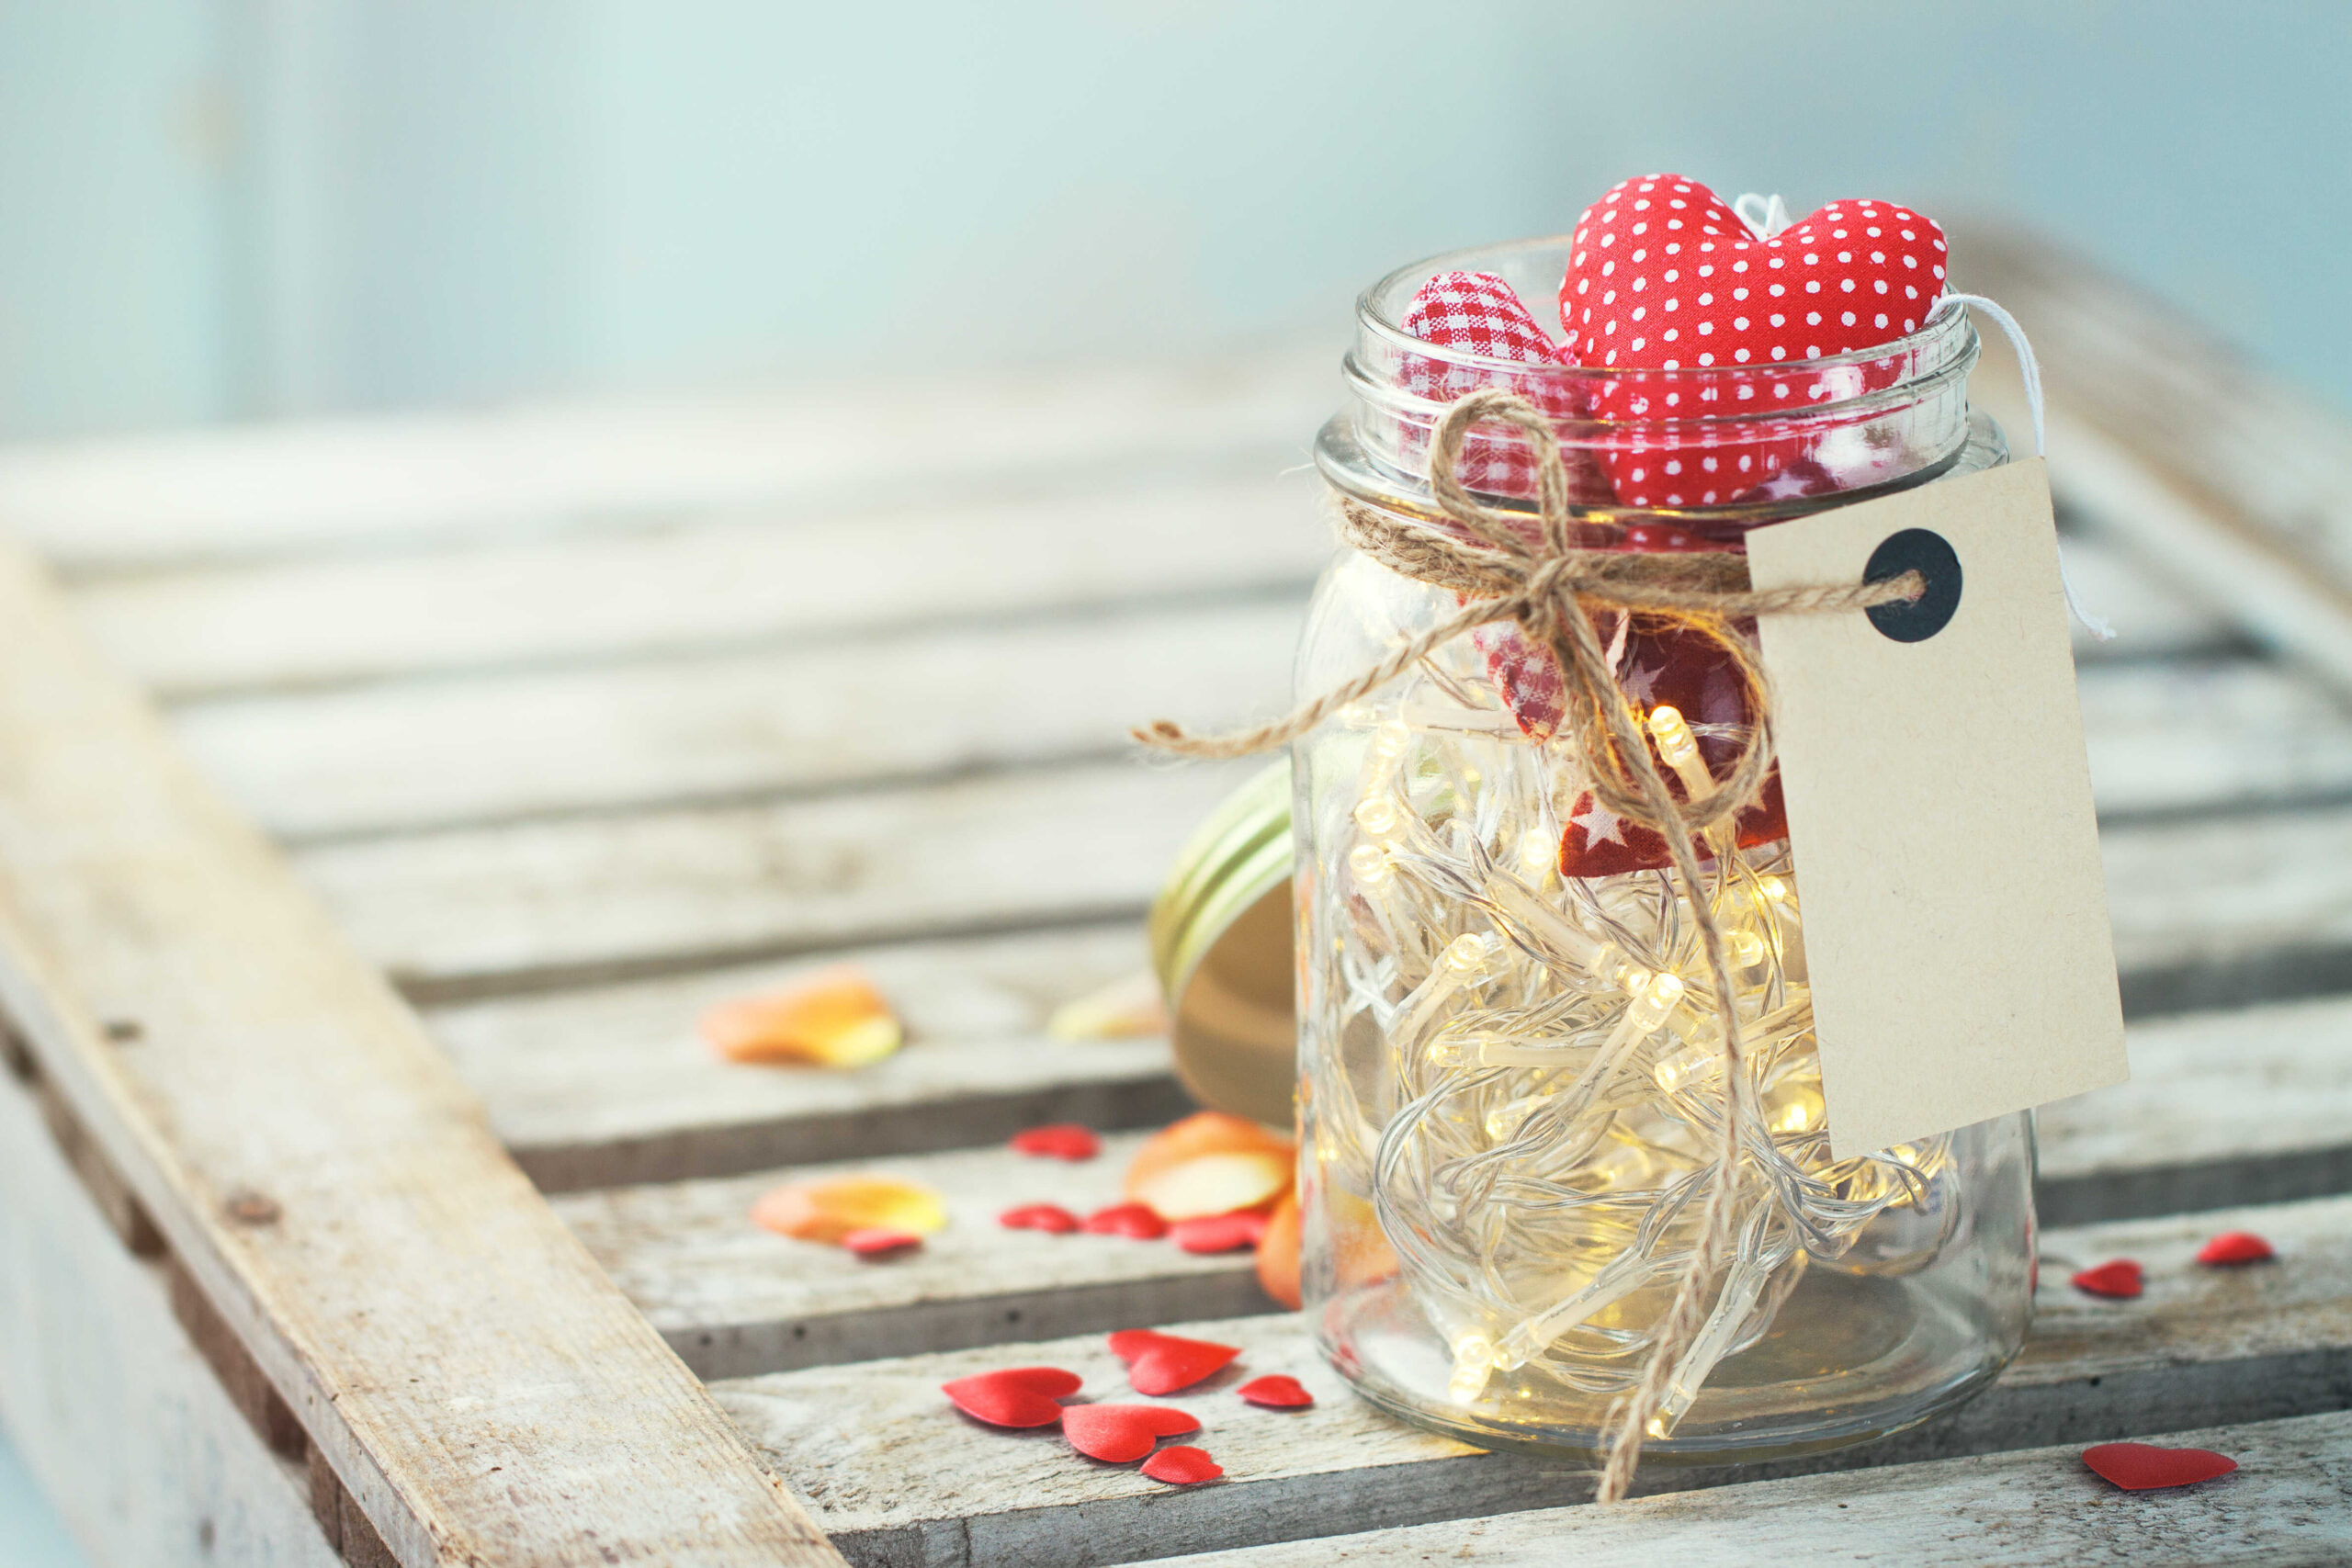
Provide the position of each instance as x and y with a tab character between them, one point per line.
2120	1280
1664	276
1277	1392
1051	1218
1162	1363
1016	1397
2143	1467
1064	1140
1477	312
1121	1434
2232	1247
1219	1232
1182	1466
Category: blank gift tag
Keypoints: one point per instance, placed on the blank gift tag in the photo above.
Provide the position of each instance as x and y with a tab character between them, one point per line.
1940	812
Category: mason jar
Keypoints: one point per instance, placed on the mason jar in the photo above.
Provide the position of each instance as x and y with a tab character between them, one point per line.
1511	1094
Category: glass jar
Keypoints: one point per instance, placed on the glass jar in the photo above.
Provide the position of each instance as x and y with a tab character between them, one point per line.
1510	1093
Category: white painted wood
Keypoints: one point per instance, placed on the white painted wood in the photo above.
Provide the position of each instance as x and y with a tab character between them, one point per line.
430	753
2290	1502
338	485
733	1299
446	912
112	1410
611	1084
718	585
317	1169
2200	734
895	1476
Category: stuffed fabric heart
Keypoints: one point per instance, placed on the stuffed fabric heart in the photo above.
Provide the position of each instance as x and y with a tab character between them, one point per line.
1477	312
1663	275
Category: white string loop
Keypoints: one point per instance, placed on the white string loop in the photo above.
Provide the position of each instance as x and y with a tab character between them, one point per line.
2096	626
1764	215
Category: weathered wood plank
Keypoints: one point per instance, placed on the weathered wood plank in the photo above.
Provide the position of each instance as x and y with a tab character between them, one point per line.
2202	734
2290	1502
897	1477
722	586
316	1167
341	485
109	1404
611	1084
2223	1109
2253	1105
2207	911
419	754
733	1299
479	911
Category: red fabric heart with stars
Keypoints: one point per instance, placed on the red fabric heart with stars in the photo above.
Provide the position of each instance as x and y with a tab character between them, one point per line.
1663	275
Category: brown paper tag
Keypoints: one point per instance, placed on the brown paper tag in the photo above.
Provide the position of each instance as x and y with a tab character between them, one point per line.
1940	813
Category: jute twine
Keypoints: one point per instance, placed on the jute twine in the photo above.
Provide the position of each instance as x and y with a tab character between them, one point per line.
1551	590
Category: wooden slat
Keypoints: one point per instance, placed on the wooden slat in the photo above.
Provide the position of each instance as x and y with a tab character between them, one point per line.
468	911
2207	912
129	1432
2202	734
317	1169
610	1084
483	749
2042	1509
2222	1110
897	1477
721	586
337	486
733	1299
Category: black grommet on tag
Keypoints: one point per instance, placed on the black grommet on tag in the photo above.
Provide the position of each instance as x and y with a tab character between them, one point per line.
1930	555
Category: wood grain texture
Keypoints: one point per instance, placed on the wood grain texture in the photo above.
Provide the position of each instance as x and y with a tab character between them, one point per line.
318	1170
106	1401
288	624
733	1299
611	1084
470	911
2289	1503
897	1477
341	486
880	709
2222	1110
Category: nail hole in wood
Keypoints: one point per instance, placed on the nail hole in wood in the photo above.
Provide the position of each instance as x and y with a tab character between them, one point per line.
124	1031
250	1208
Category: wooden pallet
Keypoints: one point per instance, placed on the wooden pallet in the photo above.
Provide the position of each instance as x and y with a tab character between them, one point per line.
380	804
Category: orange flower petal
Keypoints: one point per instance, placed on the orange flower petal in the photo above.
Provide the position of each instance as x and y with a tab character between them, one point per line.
835	1019
1215	1184
1278	1253
1128	1008
1204	1133
829	1211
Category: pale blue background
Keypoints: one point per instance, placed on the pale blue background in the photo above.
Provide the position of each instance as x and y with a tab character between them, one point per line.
234	208
222	209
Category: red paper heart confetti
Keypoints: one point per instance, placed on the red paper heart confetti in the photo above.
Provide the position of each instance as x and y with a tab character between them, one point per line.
1277	1392
1016	1396
2232	1247
1219	1233
879	1241
1121	1434
1162	1363
2119	1278
1063	1140
2143	1467
1182	1466
1049	1217
1664	276
1133	1220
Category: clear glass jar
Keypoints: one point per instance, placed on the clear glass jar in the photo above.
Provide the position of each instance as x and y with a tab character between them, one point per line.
1511	1096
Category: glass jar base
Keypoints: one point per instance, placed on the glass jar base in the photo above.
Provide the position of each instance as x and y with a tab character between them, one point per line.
1848	1360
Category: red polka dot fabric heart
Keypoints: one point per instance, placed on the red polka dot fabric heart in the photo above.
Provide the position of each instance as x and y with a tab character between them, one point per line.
1664	276
2143	1467
1121	1434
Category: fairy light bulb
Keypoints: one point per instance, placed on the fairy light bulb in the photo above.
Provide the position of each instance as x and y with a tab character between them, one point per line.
1773	888
1795	1119
1685	1066
1369	864
1681	749
1656	1001
1474	1364
1390	738
1538	850
1743	946
1466	954
1376	816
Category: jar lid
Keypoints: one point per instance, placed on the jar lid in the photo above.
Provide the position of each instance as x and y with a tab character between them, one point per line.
1220	936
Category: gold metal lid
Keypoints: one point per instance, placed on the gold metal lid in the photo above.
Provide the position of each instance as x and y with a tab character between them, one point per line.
1220	935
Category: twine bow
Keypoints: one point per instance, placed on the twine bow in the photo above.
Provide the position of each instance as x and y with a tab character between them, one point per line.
1551	588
